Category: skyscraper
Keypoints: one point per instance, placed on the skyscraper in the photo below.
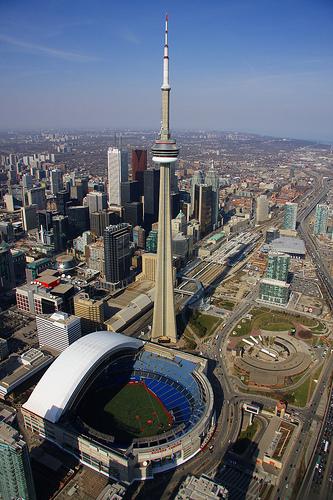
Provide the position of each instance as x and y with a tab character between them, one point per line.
117	253
139	165
262	209
60	232
36	196
197	179
277	266
100	220
117	173
274	287
27	181
321	217
165	152
290	216
96	201
29	217
63	201
203	197
57	330
78	219
16	479
133	213
151	197
56	181
212	179
130	191
7	274
274	291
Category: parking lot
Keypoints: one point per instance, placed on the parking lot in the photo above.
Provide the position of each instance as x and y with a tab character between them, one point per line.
19	330
306	286
10	321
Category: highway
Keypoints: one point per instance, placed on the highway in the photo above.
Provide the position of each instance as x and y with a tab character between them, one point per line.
303	230
309	487
316	484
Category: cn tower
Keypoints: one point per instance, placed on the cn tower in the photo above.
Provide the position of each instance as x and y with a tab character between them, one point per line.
165	152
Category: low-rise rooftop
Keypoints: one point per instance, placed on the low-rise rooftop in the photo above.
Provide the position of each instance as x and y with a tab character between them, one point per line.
288	244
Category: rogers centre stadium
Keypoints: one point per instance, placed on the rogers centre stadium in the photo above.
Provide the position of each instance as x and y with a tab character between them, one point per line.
124	407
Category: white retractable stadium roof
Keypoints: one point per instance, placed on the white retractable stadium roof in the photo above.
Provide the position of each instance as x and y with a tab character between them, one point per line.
66	376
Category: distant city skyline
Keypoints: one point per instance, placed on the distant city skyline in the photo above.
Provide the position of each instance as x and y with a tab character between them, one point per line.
262	67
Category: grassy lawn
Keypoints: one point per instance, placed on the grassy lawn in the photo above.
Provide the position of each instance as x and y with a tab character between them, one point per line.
314	377
126	412
249	433
274	321
279	326
203	324
300	395
244	327
304	392
225	304
296	378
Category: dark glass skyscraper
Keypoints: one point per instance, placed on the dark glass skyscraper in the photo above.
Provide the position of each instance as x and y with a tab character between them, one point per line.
117	254
7	275
60	232
203	207
63	201
133	213
130	192
151	197
78	218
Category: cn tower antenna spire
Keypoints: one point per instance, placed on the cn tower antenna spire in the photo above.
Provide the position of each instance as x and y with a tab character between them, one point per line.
165	132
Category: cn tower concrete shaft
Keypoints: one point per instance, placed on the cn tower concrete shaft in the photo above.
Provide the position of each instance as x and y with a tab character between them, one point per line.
164	322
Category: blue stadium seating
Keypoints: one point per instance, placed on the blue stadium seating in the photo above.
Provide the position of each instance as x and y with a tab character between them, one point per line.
171	380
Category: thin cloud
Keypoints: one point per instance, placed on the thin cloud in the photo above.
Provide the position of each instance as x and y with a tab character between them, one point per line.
129	36
49	51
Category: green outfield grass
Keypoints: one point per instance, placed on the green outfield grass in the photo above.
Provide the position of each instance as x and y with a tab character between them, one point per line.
127	412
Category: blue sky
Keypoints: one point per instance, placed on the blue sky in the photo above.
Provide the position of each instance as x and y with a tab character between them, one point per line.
262	66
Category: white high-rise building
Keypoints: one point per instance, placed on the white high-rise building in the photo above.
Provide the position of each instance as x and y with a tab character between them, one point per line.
262	209
9	201
58	330
56	181
96	201
117	173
